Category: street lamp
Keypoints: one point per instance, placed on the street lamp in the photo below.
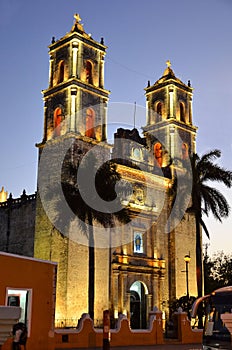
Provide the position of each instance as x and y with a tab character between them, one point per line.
187	261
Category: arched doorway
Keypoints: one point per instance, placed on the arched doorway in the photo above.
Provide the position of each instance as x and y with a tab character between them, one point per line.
138	305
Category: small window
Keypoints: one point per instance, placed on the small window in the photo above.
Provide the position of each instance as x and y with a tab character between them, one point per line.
61	72
138	242
90	120
182	112
136	153
89	77
57	121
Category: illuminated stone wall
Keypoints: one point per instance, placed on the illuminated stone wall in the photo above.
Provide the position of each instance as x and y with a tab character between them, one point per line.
17	225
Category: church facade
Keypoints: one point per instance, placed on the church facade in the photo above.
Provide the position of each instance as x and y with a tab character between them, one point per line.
139	265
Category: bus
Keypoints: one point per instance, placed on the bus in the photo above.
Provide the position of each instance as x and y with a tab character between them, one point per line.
215	333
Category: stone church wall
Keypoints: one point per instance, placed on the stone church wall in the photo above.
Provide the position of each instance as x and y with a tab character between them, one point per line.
185	244
17	225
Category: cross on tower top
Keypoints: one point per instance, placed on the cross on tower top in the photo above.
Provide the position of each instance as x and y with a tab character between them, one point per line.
77	17
168	63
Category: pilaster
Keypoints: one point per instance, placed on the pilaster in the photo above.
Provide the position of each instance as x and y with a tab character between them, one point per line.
74	58
115	296
155	291
72	125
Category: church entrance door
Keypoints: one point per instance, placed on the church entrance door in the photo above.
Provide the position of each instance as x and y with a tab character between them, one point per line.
138	317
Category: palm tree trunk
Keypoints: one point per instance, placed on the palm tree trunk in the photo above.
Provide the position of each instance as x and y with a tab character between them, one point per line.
199	266
91	283
198	257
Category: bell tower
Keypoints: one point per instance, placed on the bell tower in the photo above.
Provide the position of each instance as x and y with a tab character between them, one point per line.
171	137
76	101
169	128
75	106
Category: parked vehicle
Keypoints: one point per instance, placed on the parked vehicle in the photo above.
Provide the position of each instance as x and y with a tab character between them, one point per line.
215	335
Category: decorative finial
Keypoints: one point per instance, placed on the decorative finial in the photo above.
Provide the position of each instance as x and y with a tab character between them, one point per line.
3	195
77	17
168	63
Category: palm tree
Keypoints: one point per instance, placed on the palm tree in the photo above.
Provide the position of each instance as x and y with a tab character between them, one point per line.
206	199
105	181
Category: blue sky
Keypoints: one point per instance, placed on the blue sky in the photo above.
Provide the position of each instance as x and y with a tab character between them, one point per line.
141	36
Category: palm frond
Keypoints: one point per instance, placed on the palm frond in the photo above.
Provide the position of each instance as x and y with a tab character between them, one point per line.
202	223
215	202
214	172
209	156
206	199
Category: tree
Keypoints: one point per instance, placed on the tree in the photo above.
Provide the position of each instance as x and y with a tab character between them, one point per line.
217	271
105	181
206	199
184	302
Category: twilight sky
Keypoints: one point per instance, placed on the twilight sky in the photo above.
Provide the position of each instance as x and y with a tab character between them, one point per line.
141	36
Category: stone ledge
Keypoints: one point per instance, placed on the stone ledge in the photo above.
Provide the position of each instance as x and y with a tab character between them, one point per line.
9	315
